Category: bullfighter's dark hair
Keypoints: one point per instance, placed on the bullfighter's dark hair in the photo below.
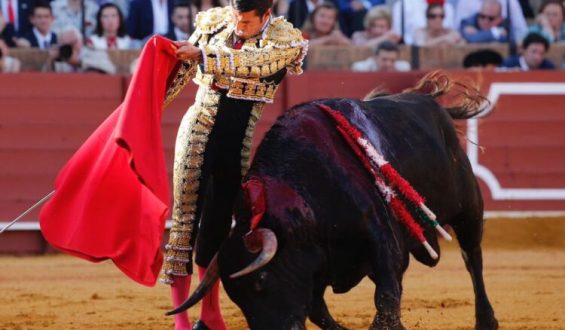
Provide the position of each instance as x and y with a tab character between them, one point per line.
535	38
260	6
121	27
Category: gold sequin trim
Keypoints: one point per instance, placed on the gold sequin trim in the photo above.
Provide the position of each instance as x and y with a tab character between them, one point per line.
256	112
192	137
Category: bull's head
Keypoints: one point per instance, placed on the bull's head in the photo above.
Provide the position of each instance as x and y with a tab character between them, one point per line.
264	265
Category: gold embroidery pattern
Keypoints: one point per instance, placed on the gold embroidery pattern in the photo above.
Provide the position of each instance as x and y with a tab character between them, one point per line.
186	71
254	117
191	142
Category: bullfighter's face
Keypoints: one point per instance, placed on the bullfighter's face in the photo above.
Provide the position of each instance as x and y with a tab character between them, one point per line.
248	24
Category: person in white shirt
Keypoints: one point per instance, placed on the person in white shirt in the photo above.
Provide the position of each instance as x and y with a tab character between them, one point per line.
385	59
69	13
412	15
110	32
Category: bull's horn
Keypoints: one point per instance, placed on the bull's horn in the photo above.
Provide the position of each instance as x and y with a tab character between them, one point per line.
210	277
269	248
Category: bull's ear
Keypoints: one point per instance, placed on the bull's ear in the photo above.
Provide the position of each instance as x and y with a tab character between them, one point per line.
254	191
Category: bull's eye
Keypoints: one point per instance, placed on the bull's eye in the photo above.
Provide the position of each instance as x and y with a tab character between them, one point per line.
261	281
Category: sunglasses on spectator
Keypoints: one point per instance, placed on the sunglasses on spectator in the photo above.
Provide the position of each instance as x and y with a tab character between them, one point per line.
433	16
488	17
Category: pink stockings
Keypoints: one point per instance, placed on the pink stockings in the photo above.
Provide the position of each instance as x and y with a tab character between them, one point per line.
210	312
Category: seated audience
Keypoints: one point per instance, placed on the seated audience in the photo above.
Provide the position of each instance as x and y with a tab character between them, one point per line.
182	21
40	35
482	59
550	21
377	29
149	17
410	15
69	13
322	27
203	5
532	57
15	15
298	11
467	8
66	57
110	32
352	12
8	64
487	25
434	34
385	59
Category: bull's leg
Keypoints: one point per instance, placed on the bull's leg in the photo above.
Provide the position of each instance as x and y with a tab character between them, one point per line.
319	313
387	276
469	232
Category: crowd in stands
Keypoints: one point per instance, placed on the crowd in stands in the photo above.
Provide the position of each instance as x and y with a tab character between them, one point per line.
76	33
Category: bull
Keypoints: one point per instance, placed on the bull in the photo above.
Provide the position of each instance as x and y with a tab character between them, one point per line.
325	223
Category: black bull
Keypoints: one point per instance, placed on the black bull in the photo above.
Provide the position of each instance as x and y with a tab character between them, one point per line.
331	225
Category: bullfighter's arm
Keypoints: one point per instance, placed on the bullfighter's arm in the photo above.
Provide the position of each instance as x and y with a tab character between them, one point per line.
185	73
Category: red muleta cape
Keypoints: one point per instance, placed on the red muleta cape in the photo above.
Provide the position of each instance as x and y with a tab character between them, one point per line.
112	197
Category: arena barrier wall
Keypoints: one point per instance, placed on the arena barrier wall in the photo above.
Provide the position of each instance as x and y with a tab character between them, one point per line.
517	148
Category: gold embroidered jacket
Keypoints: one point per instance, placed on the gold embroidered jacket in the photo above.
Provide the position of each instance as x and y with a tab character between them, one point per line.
245	72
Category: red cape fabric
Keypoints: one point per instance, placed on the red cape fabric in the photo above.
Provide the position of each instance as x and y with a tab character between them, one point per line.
112	198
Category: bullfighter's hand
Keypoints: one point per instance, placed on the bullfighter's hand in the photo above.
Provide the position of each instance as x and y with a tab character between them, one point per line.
187	51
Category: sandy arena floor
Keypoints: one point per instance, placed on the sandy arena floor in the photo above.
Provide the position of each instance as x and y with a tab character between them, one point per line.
524	273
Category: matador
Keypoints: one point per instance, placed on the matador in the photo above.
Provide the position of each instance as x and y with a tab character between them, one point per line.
238	56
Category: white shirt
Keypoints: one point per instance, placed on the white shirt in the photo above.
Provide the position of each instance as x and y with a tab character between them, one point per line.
415	18
5	12
523	65
43	41
180	35
160	16
370	65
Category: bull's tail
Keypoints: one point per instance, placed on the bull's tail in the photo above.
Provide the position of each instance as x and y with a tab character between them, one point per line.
462	100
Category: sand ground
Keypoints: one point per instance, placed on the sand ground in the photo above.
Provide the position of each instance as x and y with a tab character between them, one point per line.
524	268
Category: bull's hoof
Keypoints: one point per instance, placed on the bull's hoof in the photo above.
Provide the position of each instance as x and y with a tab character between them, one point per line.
200	325
487	324
387	321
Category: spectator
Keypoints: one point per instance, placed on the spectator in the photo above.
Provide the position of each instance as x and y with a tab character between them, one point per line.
550	21
8	64
385	59
534	48
110	32
69	13
66	57
352	12
467	8
487	25
482	59
148	17
410	15
434	34
203	5
6	32
378	25
322	27
41	35
182	21
299	10
16	15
